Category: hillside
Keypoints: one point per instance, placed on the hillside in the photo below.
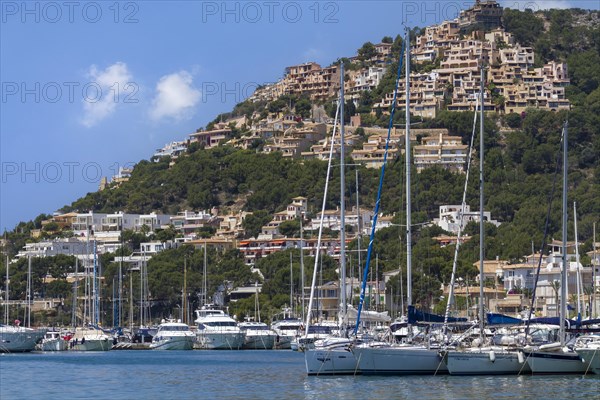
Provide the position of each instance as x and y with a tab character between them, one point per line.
520	159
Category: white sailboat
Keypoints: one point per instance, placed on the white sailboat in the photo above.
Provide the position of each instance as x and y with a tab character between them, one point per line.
16	338
400	359
559	358
333	355
483	359
91	337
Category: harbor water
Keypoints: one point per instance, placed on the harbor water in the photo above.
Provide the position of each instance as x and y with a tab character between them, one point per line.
250	375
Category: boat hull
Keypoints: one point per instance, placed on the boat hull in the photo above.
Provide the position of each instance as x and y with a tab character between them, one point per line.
19	340
283	342
336	361
54	345
102	344
173	343
405	360
220	340
258	342
556	362
592	357
485	363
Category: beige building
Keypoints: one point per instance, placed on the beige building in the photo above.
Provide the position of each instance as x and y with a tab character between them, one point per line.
442	150
212	138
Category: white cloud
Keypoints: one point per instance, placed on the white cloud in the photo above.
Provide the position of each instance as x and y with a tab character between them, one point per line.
104	91
175	97
536	5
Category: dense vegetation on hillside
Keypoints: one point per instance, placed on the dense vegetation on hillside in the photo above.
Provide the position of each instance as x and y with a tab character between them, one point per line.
520	167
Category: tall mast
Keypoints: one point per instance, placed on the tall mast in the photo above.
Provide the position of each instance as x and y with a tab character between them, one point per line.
302	264
594	265
120	306
359	234
6	287
342	205
291	285
204	282
95	288
75	293
130	301
580	309
184	294
565	267
408	178
142	291
86	288
29	291
481	201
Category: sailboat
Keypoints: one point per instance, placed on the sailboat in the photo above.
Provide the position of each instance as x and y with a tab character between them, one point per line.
481	358
332	355
559	357
16	338
398	359
92	337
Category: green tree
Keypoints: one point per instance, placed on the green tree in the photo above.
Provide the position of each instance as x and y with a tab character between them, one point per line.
367	51
303	107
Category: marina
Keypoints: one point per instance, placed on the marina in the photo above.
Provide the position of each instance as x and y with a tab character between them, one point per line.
249	374
415	220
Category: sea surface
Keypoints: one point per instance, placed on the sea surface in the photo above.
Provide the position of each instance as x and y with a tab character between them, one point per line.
130	374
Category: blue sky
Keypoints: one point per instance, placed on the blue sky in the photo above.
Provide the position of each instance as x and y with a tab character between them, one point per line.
88	87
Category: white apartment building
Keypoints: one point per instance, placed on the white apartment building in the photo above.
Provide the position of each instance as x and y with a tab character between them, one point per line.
450	217
101	224
443	150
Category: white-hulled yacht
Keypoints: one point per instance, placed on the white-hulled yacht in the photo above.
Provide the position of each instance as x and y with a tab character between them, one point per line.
502	355
399	359
287	330
334	355
258	336
90	338
317	332
18	339
173	335
217	330
54	341
492	360
331	356
588	348
555	358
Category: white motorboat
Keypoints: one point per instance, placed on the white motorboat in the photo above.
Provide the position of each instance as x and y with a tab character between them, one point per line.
402	359
316	332
18	339
90	339
173	335
217	330
286	330
258	336
54	341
